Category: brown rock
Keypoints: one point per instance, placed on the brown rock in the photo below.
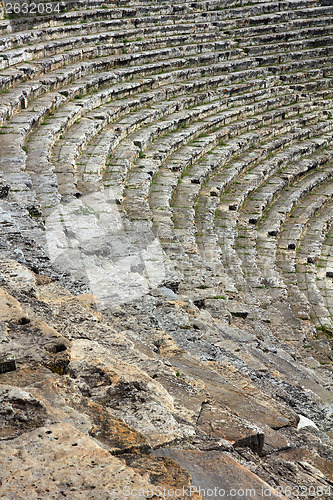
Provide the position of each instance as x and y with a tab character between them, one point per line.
58	460
221	423
7	363
229	396
163	472
19	412
215	471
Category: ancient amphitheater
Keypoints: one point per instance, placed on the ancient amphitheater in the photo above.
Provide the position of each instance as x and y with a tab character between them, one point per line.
166	262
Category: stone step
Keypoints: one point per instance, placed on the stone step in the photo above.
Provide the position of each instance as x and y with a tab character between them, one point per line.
169	177
158	110
289	38
225	228
108	62
114	131
161	149
297	231
283	27
30	37
119	53
18	98
324	276
97	32
319	183
31	118
165	12
59	125
42	62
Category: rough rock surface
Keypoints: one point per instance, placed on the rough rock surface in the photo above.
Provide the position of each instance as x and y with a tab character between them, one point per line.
100	387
